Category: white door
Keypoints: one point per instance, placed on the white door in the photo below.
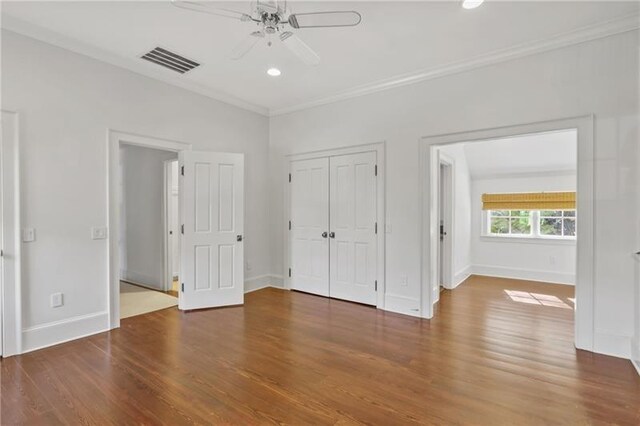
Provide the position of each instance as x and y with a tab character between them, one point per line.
309	226
353	240
211	192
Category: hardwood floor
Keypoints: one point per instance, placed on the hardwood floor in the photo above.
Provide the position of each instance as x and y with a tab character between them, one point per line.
487	358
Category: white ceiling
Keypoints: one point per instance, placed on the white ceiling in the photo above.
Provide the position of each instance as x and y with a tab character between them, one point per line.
395	39
539	153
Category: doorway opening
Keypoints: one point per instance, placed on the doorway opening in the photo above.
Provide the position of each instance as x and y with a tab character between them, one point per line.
145	249
509	240
507	216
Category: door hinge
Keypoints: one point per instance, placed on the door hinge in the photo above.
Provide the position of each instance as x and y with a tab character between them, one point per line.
289	225
182	229
376	285
375	170
182	287
376	226
289	177
182	170
289	272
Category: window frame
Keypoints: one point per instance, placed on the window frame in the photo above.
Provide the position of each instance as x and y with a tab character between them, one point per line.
534	218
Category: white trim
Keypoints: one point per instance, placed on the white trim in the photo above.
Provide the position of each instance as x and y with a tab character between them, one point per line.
11	283
262	281
16	25
402	305
380	149
552	277
586	33
612	343
583	34
461	276
584	322
114	140
56	332
528	240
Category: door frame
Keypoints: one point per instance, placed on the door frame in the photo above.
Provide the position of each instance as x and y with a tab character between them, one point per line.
166	220
10	282
114	140
449	246
379	148
585	286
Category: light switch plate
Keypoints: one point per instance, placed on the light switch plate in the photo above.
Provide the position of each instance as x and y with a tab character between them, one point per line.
404	280
28	235
98	233
56	300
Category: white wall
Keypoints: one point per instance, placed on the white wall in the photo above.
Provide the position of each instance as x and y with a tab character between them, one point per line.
461	213
67	102
539	260
142	228
598	77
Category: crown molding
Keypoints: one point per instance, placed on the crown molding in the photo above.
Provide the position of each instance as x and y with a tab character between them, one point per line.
580	35
27	29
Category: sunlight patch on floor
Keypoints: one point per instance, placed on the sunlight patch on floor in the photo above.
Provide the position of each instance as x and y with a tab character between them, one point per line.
537	299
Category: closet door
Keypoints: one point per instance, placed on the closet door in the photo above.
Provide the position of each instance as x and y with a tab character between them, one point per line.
308	244
353	242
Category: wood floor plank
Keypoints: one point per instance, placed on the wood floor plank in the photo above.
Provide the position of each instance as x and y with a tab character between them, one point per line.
498	352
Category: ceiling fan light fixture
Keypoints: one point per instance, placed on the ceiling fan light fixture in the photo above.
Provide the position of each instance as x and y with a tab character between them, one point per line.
471	4
274	72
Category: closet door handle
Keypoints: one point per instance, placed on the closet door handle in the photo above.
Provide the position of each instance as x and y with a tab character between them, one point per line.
324	234
332	234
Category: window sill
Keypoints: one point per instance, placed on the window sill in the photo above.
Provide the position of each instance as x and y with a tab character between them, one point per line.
528	240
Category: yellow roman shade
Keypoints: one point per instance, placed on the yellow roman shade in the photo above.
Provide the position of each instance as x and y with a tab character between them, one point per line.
530	201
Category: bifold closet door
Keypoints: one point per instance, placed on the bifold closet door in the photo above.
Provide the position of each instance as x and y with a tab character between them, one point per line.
309	226
353	242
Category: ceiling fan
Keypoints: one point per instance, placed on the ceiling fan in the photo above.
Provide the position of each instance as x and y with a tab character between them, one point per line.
274	19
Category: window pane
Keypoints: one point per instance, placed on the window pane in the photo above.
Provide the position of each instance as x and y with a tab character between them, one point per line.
520	225
570	227
556	213
569	213
500	213
549	226
520	213
499	226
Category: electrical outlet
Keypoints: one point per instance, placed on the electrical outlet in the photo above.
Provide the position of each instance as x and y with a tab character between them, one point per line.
247	265
56	300
28	235
552	260
98	233
404	280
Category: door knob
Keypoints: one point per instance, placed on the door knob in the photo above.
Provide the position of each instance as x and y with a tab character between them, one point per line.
239	238
332	234
324	235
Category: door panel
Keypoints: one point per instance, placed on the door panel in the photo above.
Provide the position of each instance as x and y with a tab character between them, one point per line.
309	257
212	209
353	247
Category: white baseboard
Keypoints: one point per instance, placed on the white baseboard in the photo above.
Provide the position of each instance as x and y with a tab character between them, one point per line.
460	276
635	354
262	281
402	305
524	274
56	332
611	343
141	280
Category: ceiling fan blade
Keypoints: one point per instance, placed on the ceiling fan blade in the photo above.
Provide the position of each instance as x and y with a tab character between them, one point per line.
208	8
246	45
325	19
299	48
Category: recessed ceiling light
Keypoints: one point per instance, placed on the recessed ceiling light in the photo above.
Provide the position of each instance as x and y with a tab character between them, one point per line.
273	72
471	4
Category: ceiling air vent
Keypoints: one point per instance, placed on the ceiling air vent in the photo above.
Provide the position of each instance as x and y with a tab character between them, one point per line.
170	60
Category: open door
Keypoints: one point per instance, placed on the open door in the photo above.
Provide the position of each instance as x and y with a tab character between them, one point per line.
211	191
